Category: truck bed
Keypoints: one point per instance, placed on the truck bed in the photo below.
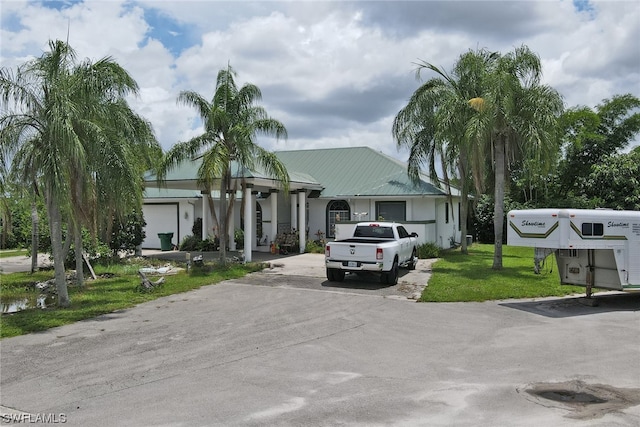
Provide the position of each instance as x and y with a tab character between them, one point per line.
364	240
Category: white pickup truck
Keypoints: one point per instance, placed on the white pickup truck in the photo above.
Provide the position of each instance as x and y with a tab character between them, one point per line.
380	247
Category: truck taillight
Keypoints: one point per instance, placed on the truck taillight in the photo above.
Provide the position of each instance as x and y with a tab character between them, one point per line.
327	251
378	253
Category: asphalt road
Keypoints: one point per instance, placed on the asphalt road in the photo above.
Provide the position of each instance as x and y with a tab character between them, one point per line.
285	348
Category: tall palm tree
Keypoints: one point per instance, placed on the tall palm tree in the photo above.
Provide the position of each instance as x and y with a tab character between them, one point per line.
516	116
231	123
119	151
433	124
58	111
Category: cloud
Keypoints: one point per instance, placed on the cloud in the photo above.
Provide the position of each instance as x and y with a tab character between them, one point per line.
335	73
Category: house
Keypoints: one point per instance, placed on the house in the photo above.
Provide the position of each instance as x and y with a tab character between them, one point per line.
330	190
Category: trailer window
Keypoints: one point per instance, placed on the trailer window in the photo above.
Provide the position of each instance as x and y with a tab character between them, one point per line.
592	229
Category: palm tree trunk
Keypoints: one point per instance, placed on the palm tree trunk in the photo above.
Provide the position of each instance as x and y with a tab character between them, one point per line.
78	249
222	231
35	234
212	209
77	228
464	202
464	207
107	233
55	225
498	210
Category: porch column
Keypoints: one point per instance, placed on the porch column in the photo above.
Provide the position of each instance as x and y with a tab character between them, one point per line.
294	210
205	210
274	214
302	221
232	226
248	222
254	230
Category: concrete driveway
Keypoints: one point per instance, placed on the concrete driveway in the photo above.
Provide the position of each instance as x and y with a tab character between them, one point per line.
301	353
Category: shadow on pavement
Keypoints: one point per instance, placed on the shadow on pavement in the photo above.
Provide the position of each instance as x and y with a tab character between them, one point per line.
365	280
571	307
181	256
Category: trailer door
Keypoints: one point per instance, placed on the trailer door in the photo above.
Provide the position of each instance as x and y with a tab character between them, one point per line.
633	265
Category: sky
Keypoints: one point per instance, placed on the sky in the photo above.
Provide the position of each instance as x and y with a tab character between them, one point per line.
335	73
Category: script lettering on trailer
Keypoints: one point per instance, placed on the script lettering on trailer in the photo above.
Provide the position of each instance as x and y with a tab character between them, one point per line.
536	224
613	224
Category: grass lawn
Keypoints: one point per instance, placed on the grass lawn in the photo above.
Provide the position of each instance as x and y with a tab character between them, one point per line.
14	252
100	296
458	277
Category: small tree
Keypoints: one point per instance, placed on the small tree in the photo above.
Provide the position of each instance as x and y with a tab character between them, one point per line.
128	232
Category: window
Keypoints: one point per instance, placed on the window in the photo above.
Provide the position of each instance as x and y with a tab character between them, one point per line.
391	211
259	223
402	232
592	229
374	231
337	211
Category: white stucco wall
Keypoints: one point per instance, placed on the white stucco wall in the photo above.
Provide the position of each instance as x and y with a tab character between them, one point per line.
178	215
167	216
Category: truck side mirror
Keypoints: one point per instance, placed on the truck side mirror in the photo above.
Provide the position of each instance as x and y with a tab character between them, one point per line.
414	234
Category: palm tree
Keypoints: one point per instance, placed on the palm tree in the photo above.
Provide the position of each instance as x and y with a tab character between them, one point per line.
433	123
118	154
231	123
516	117
58	112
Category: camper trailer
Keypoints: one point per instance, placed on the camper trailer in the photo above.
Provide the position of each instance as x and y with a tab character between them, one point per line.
593	248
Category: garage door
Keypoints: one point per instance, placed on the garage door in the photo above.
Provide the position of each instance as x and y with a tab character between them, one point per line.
160	218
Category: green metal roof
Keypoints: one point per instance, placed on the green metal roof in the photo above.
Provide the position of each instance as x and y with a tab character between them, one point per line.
340	172
187	171
356	171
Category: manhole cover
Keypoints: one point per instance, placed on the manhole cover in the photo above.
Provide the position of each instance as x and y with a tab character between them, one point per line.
585	401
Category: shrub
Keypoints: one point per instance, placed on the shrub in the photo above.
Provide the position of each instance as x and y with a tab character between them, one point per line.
314	247
428	250
209	245
190	244
97	251
128	232
238	236
196	229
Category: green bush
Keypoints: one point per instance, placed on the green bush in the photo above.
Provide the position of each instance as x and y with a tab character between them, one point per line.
209	245
313	247
128	232
96	251
428	250
238	236
190	244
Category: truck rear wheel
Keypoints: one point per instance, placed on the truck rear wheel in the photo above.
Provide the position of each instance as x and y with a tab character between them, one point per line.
391	276
335	275
330	274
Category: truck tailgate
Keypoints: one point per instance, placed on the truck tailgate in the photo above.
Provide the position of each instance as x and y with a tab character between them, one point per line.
353	252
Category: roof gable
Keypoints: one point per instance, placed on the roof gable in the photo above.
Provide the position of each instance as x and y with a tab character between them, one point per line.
356	171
